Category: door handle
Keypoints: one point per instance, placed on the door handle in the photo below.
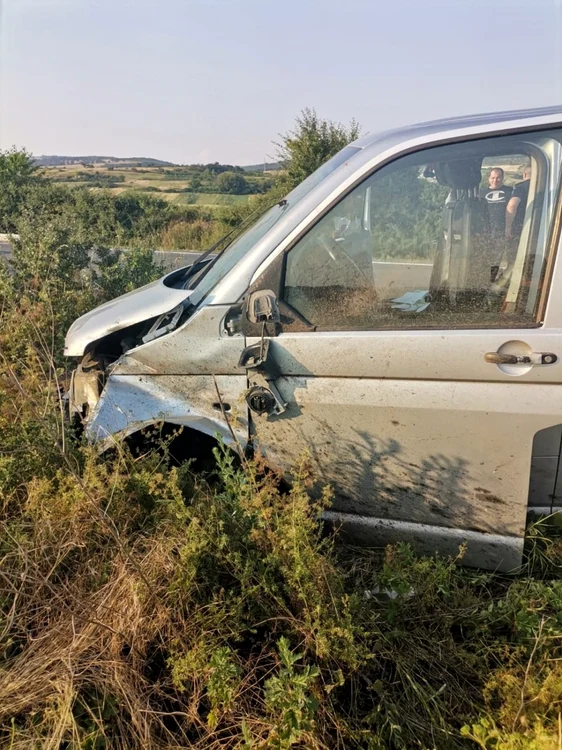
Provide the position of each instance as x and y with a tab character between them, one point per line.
534	358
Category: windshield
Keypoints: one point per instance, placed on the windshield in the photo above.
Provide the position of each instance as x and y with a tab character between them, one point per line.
241	245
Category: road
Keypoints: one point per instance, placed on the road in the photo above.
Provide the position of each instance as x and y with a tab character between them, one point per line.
5	250
396	278
171	260
387	274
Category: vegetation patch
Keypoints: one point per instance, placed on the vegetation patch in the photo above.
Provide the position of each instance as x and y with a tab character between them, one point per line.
144	605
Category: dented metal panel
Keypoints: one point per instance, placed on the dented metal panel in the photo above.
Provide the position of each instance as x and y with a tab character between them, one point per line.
200	346
134	307
173	378
131	402
422	451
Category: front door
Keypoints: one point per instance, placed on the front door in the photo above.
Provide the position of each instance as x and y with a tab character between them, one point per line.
419	357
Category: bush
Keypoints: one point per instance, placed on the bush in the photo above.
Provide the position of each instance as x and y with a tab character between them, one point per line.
168	612
143	605
196	235
232	182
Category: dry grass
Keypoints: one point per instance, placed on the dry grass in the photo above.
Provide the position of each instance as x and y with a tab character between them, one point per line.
144	606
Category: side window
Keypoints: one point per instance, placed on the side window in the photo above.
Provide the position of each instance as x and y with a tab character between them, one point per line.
454	236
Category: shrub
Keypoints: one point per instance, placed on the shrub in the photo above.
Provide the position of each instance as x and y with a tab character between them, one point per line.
183	235
143	605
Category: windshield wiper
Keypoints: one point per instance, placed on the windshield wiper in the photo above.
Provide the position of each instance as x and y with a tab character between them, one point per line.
259	211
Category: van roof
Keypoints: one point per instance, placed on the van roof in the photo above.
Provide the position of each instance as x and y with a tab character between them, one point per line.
464	121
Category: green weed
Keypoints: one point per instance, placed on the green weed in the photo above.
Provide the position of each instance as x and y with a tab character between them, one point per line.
143	605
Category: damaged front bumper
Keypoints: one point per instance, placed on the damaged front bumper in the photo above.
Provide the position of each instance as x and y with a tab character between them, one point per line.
125	404
86	384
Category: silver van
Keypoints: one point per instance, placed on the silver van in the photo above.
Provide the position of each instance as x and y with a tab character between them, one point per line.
395	316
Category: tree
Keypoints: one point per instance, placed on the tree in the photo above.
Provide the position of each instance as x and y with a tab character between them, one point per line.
311	142
231	182
196	183
406	211
17	173
17	165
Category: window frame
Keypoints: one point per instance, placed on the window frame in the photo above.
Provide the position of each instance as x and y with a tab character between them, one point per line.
293	321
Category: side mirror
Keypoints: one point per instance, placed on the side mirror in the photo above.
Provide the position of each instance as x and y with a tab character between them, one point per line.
254	356
262	307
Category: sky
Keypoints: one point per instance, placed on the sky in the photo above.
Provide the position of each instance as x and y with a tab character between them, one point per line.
217	80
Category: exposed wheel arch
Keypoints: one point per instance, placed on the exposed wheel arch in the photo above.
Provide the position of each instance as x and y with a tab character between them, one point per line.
182	443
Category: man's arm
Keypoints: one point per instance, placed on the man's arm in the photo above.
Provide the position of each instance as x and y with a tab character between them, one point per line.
510	211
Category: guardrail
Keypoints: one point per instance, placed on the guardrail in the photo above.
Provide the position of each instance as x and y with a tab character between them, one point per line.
170	259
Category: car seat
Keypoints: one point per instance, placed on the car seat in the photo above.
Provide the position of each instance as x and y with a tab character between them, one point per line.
467	257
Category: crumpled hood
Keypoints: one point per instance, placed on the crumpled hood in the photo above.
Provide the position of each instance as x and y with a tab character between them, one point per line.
141	304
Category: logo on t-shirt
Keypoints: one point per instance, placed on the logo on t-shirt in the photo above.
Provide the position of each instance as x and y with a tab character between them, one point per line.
496	196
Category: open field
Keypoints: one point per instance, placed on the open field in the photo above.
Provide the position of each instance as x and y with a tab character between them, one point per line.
206	199
184	185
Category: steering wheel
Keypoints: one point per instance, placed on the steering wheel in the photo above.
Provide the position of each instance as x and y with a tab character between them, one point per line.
341	253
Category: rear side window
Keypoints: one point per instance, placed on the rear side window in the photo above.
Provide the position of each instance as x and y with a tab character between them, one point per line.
454	236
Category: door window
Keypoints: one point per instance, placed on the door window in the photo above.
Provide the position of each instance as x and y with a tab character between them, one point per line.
454	236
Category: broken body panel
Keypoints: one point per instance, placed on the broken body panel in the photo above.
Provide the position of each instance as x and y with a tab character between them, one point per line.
421	437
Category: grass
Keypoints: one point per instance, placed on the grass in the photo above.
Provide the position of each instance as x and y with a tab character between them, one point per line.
143	604
209	199
164	183
194	199
168	612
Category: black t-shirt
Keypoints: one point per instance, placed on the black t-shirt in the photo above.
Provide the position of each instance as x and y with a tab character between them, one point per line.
497	200
521	191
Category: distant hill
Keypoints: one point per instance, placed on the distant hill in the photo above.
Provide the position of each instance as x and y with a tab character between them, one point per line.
135	161
56	160
267	167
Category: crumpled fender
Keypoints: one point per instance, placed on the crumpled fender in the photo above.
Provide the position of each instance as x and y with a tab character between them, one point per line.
131	402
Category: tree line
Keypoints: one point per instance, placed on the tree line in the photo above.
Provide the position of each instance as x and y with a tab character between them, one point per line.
28	197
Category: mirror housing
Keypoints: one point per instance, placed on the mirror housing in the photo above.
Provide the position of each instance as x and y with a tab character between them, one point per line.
262	307
254	356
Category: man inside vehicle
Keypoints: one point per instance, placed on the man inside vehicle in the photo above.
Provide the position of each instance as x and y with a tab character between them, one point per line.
514	218
497	196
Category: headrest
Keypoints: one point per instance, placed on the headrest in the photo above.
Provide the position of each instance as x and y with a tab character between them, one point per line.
462	174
